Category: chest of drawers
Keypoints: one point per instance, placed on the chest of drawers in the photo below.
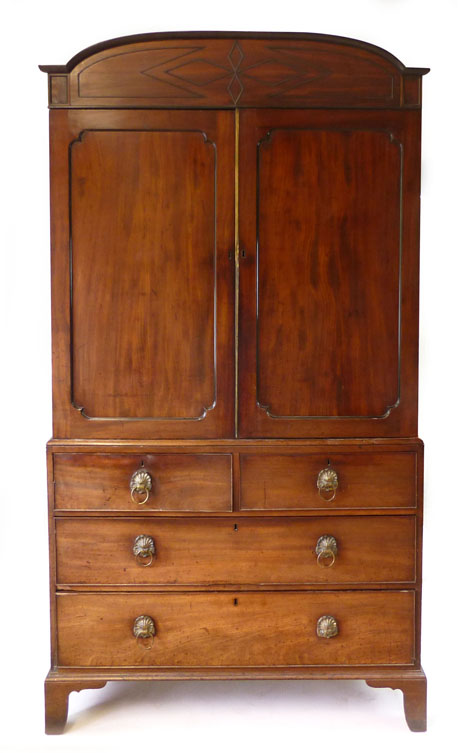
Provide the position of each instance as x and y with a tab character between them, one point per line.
235	477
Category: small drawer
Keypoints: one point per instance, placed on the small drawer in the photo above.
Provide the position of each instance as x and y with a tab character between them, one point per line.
313	481
109	482
236	551
236	630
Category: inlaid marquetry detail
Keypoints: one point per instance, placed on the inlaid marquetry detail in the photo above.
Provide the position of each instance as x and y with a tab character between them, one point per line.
235	87
238	70
201	72
271	73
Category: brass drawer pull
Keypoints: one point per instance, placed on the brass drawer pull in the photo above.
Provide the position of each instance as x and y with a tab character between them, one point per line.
140	484
326	551
327	627
144	631
327	484
144	550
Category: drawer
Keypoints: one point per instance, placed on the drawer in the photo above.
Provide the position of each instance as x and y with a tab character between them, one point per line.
246	629
86	481
280	482
238	550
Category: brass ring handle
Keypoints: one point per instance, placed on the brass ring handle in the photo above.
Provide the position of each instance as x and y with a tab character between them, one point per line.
140	483
144	549
140	501
326	551
144	631
327	554
327	627
327	483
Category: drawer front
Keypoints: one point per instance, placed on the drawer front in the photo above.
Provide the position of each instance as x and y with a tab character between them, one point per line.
248	629
335	550
280	482
85	481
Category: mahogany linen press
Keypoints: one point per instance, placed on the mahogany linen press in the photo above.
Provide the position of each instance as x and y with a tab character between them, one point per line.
235	474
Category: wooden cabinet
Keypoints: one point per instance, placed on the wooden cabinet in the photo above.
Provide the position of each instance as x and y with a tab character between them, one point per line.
235	226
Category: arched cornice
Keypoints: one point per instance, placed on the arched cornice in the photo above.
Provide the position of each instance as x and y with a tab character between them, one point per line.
234	69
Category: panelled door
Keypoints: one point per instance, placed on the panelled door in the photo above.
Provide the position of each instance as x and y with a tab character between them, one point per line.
142	228
328	273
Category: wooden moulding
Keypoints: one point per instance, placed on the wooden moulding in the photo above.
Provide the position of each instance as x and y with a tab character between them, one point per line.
234	69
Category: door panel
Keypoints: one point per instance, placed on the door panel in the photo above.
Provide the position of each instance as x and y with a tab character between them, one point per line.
151	224
323	331
328	273
143	262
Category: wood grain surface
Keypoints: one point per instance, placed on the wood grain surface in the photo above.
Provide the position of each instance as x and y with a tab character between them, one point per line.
328	300
143	273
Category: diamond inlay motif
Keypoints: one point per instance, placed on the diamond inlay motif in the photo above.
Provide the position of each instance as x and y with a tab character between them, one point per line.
235	88
271	72
236	56
199	72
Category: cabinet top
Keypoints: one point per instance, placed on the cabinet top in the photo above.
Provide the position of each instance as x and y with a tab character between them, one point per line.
234	69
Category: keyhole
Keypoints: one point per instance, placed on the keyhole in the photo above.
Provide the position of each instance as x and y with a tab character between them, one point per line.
235	527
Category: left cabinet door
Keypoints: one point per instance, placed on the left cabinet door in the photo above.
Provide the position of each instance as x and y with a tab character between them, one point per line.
142	274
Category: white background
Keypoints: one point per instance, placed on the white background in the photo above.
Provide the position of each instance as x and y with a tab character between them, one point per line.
229	716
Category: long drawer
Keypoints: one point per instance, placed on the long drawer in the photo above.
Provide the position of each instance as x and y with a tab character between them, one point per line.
174	482
211	551
246	629
353	480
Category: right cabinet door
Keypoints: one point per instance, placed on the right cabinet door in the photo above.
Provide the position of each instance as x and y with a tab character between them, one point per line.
329	224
